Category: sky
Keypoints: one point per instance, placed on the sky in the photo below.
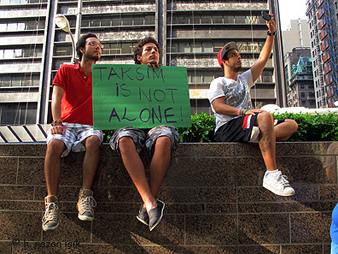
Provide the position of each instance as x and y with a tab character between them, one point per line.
291	10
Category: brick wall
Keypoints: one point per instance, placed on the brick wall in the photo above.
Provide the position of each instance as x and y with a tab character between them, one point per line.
215	202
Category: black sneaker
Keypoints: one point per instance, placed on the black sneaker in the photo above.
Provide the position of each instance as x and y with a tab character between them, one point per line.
155	214
143	216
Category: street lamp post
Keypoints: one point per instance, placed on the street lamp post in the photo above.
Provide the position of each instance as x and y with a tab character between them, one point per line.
62	22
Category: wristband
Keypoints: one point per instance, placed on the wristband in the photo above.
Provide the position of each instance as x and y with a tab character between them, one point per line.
246	111
271	34
238	112
57	122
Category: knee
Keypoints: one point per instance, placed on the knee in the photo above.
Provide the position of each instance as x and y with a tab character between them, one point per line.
265	116
125	143
164	142
292	125
55	147
93	143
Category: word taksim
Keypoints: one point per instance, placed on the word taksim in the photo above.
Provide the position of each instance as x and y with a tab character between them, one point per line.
131	73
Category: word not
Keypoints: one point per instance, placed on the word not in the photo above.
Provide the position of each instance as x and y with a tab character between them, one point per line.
149	94
131	73
145	115
35	245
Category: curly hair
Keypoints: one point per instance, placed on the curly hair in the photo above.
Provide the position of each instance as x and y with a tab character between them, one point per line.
139	48
82	43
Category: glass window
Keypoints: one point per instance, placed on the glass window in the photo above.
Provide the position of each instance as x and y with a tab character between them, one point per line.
8	53
127	21
31	25
138	20
208	77
253	47
196	47
18	53
28	52
196	78
127	48
206	19
217	19
5	81
115	48
94	22
183	20
84	23
116	21
26	81
239	19
105	22
207	47
12	27
16	81
242	46
197	19
38	52
35	80
149	20
3	27
218	46
173	48
229	19
184	47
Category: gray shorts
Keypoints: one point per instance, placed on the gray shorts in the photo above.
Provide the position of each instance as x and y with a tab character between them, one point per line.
75	134
144	137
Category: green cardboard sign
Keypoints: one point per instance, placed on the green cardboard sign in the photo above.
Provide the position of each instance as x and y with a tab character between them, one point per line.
140	96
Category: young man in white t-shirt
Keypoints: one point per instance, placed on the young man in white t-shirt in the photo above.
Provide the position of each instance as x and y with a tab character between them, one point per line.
236	118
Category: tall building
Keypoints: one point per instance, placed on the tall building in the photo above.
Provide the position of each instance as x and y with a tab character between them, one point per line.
322	16
297	36
191	32
299	78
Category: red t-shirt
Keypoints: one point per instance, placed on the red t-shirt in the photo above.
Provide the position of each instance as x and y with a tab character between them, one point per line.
76	103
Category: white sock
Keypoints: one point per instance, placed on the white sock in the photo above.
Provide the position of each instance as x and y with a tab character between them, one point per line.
271	172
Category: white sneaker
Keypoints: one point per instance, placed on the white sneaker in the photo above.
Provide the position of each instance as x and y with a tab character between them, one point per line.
254	134
277	183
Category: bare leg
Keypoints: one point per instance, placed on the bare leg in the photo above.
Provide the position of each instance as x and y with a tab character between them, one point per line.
53	165
267	142
135	168
285	130
159	163
90	161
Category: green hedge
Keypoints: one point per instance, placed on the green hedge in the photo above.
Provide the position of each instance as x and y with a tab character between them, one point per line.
310	128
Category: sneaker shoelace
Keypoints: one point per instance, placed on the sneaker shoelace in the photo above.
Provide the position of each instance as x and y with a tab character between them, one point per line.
51	212
284	180
87	203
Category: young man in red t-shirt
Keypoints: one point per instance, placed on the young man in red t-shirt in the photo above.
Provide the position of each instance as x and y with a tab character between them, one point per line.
72	130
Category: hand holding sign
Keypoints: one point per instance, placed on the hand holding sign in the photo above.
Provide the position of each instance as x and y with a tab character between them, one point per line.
140	96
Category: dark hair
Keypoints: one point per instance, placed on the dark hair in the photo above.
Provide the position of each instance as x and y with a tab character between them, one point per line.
139	47
81	43
225	57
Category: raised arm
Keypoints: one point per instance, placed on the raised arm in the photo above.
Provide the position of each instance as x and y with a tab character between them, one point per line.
265	54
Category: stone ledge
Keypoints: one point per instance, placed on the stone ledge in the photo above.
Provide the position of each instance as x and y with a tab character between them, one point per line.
215	202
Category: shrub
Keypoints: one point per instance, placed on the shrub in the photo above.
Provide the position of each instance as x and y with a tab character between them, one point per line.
310	127
313	127
201	130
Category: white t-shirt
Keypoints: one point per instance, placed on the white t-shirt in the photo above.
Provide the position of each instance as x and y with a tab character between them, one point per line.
236	93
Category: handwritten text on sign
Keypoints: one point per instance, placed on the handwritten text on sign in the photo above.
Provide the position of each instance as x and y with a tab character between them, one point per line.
140	96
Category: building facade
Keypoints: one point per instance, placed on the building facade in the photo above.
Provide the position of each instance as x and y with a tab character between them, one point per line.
322	19
191	33
297	36
299	78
